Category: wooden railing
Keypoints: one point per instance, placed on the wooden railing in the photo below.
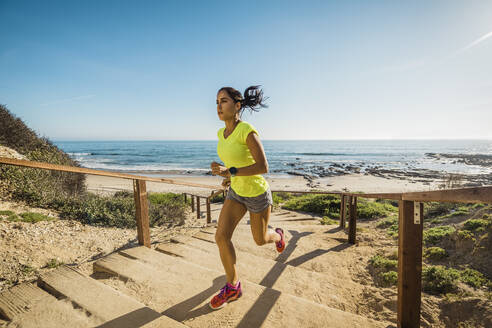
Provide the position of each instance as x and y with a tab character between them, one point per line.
410	232
139	190
410	236
207	203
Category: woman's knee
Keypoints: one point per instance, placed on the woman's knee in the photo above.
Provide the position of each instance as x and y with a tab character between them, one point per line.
222	238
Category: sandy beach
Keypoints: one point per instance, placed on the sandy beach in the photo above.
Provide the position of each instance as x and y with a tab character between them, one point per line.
350	182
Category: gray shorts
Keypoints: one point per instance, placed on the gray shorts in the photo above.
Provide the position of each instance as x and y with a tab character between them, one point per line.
254	204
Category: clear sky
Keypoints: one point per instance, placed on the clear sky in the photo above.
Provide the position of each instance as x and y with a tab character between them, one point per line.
140	70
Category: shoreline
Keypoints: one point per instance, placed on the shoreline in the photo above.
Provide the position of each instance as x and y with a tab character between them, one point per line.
348	183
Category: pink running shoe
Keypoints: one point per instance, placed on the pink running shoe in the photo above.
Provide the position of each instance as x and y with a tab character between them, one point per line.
280	244
227	294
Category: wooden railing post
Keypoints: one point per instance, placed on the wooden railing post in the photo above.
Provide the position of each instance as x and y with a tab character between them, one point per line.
342	211
192	203
142	212
410	232
198	207
209	215
352	219
185	198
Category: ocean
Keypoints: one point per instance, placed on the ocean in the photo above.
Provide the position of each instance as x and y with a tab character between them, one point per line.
171	158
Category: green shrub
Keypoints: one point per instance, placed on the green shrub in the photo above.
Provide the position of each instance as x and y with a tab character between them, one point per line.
435	209
455	213
9	215
36	186
34	217
119	211
439	279
6	213
329	205
475	279
123	194
387	222
436	220
326	220
389	278
476	225
165	198
281	197
383	263
372	210
435	253
384	270
219	198
465	234
436	234
27	269
53	263
319	204
391	225
167	208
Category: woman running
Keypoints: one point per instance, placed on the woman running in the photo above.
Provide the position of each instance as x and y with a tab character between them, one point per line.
240	149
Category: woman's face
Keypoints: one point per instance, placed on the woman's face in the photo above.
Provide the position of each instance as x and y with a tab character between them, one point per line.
226	108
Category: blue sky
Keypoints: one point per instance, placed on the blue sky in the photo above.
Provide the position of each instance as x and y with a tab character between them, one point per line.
150	70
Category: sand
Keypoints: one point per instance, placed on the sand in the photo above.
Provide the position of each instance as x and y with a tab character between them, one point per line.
351	182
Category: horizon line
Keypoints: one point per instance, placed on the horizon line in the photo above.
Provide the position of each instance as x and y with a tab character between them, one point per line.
368	139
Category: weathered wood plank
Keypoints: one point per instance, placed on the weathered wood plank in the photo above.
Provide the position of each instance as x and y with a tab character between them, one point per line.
19	299
102	301
28	306
409	264
180	289
342	211
65	168
142	212
352	219
209	214
198	207
462	195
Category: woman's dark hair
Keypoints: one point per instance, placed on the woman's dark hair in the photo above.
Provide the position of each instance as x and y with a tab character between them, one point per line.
252	98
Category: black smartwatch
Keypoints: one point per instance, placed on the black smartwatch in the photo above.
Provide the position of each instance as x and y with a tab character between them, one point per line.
232	171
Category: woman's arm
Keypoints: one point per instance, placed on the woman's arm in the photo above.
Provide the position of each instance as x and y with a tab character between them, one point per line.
256	148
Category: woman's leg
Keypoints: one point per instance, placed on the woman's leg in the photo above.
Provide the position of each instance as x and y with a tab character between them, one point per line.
230	215
259	227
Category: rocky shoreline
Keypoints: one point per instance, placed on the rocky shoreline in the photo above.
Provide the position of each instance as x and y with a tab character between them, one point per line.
469	159
409	173
311	173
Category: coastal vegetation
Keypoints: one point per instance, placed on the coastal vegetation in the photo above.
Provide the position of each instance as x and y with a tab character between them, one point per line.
456	239
456	250
65	192
329	205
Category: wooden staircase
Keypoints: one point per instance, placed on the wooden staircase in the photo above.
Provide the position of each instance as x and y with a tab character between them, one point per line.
171	284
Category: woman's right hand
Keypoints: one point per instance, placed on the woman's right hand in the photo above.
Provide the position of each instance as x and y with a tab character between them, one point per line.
218	169
226	182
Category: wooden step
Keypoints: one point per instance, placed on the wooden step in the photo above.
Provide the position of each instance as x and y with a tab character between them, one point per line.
318	252
319	288
101	301
182	290
27	305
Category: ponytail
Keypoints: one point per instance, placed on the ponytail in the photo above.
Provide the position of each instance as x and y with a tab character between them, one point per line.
252	99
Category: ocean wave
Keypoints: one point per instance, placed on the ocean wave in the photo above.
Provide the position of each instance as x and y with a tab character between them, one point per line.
79	154
321	154
139	168
121	154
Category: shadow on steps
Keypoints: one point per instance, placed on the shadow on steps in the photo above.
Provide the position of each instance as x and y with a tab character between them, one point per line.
184	310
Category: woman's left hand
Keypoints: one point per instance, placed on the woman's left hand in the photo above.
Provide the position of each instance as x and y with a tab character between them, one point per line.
221	170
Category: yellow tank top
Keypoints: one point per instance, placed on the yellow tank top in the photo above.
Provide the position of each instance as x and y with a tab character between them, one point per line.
233	151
